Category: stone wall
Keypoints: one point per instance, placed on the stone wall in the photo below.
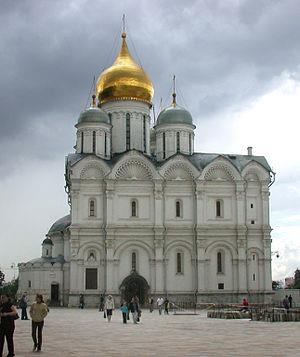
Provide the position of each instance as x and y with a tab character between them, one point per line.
280	294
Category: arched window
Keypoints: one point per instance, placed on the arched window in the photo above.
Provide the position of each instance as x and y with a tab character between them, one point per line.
220	262
82	136
164	145
179	263
178	208
109	115
127	131
92	208
105	144
190	143
133	261
94	142
47	251
144	133
133	208
178	142
219	208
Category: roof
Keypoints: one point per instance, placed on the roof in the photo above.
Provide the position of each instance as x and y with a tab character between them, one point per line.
60	225
59	259
47	241
174	114
93	115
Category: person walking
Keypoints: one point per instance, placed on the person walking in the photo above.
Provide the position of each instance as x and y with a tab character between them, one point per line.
160	303
81	301
166	305
38	311
134	309
285	303
101	306
290	299
151	304
124	309
23	305
109	307
8	313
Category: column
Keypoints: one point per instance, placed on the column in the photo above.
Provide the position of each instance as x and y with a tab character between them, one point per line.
201	243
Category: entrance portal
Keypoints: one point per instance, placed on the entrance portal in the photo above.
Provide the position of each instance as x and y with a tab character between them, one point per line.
134	285
54	294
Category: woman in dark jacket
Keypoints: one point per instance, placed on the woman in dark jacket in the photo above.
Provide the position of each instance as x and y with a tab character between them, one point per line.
8	312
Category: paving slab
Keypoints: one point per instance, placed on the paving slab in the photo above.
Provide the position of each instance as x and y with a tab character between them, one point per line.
85	333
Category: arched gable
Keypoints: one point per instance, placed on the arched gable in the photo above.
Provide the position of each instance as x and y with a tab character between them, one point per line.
253	171
90	168
133	166
93	246
255	250
220	169
133	245
178	168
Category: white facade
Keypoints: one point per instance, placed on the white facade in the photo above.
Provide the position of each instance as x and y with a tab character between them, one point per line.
165	221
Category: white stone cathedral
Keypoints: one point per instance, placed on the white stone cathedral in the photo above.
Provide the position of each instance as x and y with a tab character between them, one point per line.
149	216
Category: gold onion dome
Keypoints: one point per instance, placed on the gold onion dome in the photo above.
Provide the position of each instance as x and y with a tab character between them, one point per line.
124	80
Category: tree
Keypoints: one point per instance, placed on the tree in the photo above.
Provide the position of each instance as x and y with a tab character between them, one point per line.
2	278
276	284
10	289
296	279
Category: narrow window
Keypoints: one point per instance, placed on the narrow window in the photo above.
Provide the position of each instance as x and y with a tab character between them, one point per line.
47	251
127	131
219	263
178	141
29	283
253	257
251	206
253	277
178	209
252	222
133	261
82	142
109	115
92	208
179	263
105	144
133	209
164	145
218	208
144	133
190	143
91	278
94	142
221	286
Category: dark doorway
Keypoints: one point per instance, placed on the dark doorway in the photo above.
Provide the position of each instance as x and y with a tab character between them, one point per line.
54	293
134	285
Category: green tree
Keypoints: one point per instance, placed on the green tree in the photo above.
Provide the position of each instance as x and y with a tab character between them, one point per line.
2	278
296	279
10	288
276	284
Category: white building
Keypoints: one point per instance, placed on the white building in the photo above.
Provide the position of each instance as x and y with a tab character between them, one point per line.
149	216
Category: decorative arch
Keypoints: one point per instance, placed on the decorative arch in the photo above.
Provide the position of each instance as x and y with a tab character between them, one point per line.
84	250
221	170
130	244
179	169
222	245
90	168
255	250
179	244
253	171
91	172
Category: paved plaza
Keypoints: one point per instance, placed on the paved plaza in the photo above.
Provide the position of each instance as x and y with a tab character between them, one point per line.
85	333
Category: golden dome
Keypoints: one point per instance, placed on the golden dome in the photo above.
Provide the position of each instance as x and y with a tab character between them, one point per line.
124	80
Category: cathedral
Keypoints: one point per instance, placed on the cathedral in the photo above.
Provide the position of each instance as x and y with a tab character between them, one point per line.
148	215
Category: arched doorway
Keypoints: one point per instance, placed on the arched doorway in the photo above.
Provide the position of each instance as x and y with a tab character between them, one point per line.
134	285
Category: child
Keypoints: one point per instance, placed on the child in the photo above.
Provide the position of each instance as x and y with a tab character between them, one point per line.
124	309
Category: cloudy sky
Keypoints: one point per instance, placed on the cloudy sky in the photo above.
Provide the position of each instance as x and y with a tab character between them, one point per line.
237	64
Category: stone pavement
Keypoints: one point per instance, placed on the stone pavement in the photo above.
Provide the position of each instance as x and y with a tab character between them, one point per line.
85	333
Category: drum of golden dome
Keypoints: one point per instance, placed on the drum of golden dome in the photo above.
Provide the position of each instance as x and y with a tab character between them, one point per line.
124	80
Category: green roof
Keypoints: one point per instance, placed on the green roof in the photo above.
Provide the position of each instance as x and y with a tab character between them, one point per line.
174	114
60	225
94	115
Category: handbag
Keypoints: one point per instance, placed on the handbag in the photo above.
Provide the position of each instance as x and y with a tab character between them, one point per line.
104	315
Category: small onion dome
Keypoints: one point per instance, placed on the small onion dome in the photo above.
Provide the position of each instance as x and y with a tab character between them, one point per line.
124	80
174	114
47	241
93	115
60	225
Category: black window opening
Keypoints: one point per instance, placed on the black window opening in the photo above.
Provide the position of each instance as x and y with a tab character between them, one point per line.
133	261
109	115
219	262
144	134
251	205
164	145
105	144
178	209
221	286
91	278
133	209
218	209
127	131
82	136
178	141
179	263
94	142
92	208
190	143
